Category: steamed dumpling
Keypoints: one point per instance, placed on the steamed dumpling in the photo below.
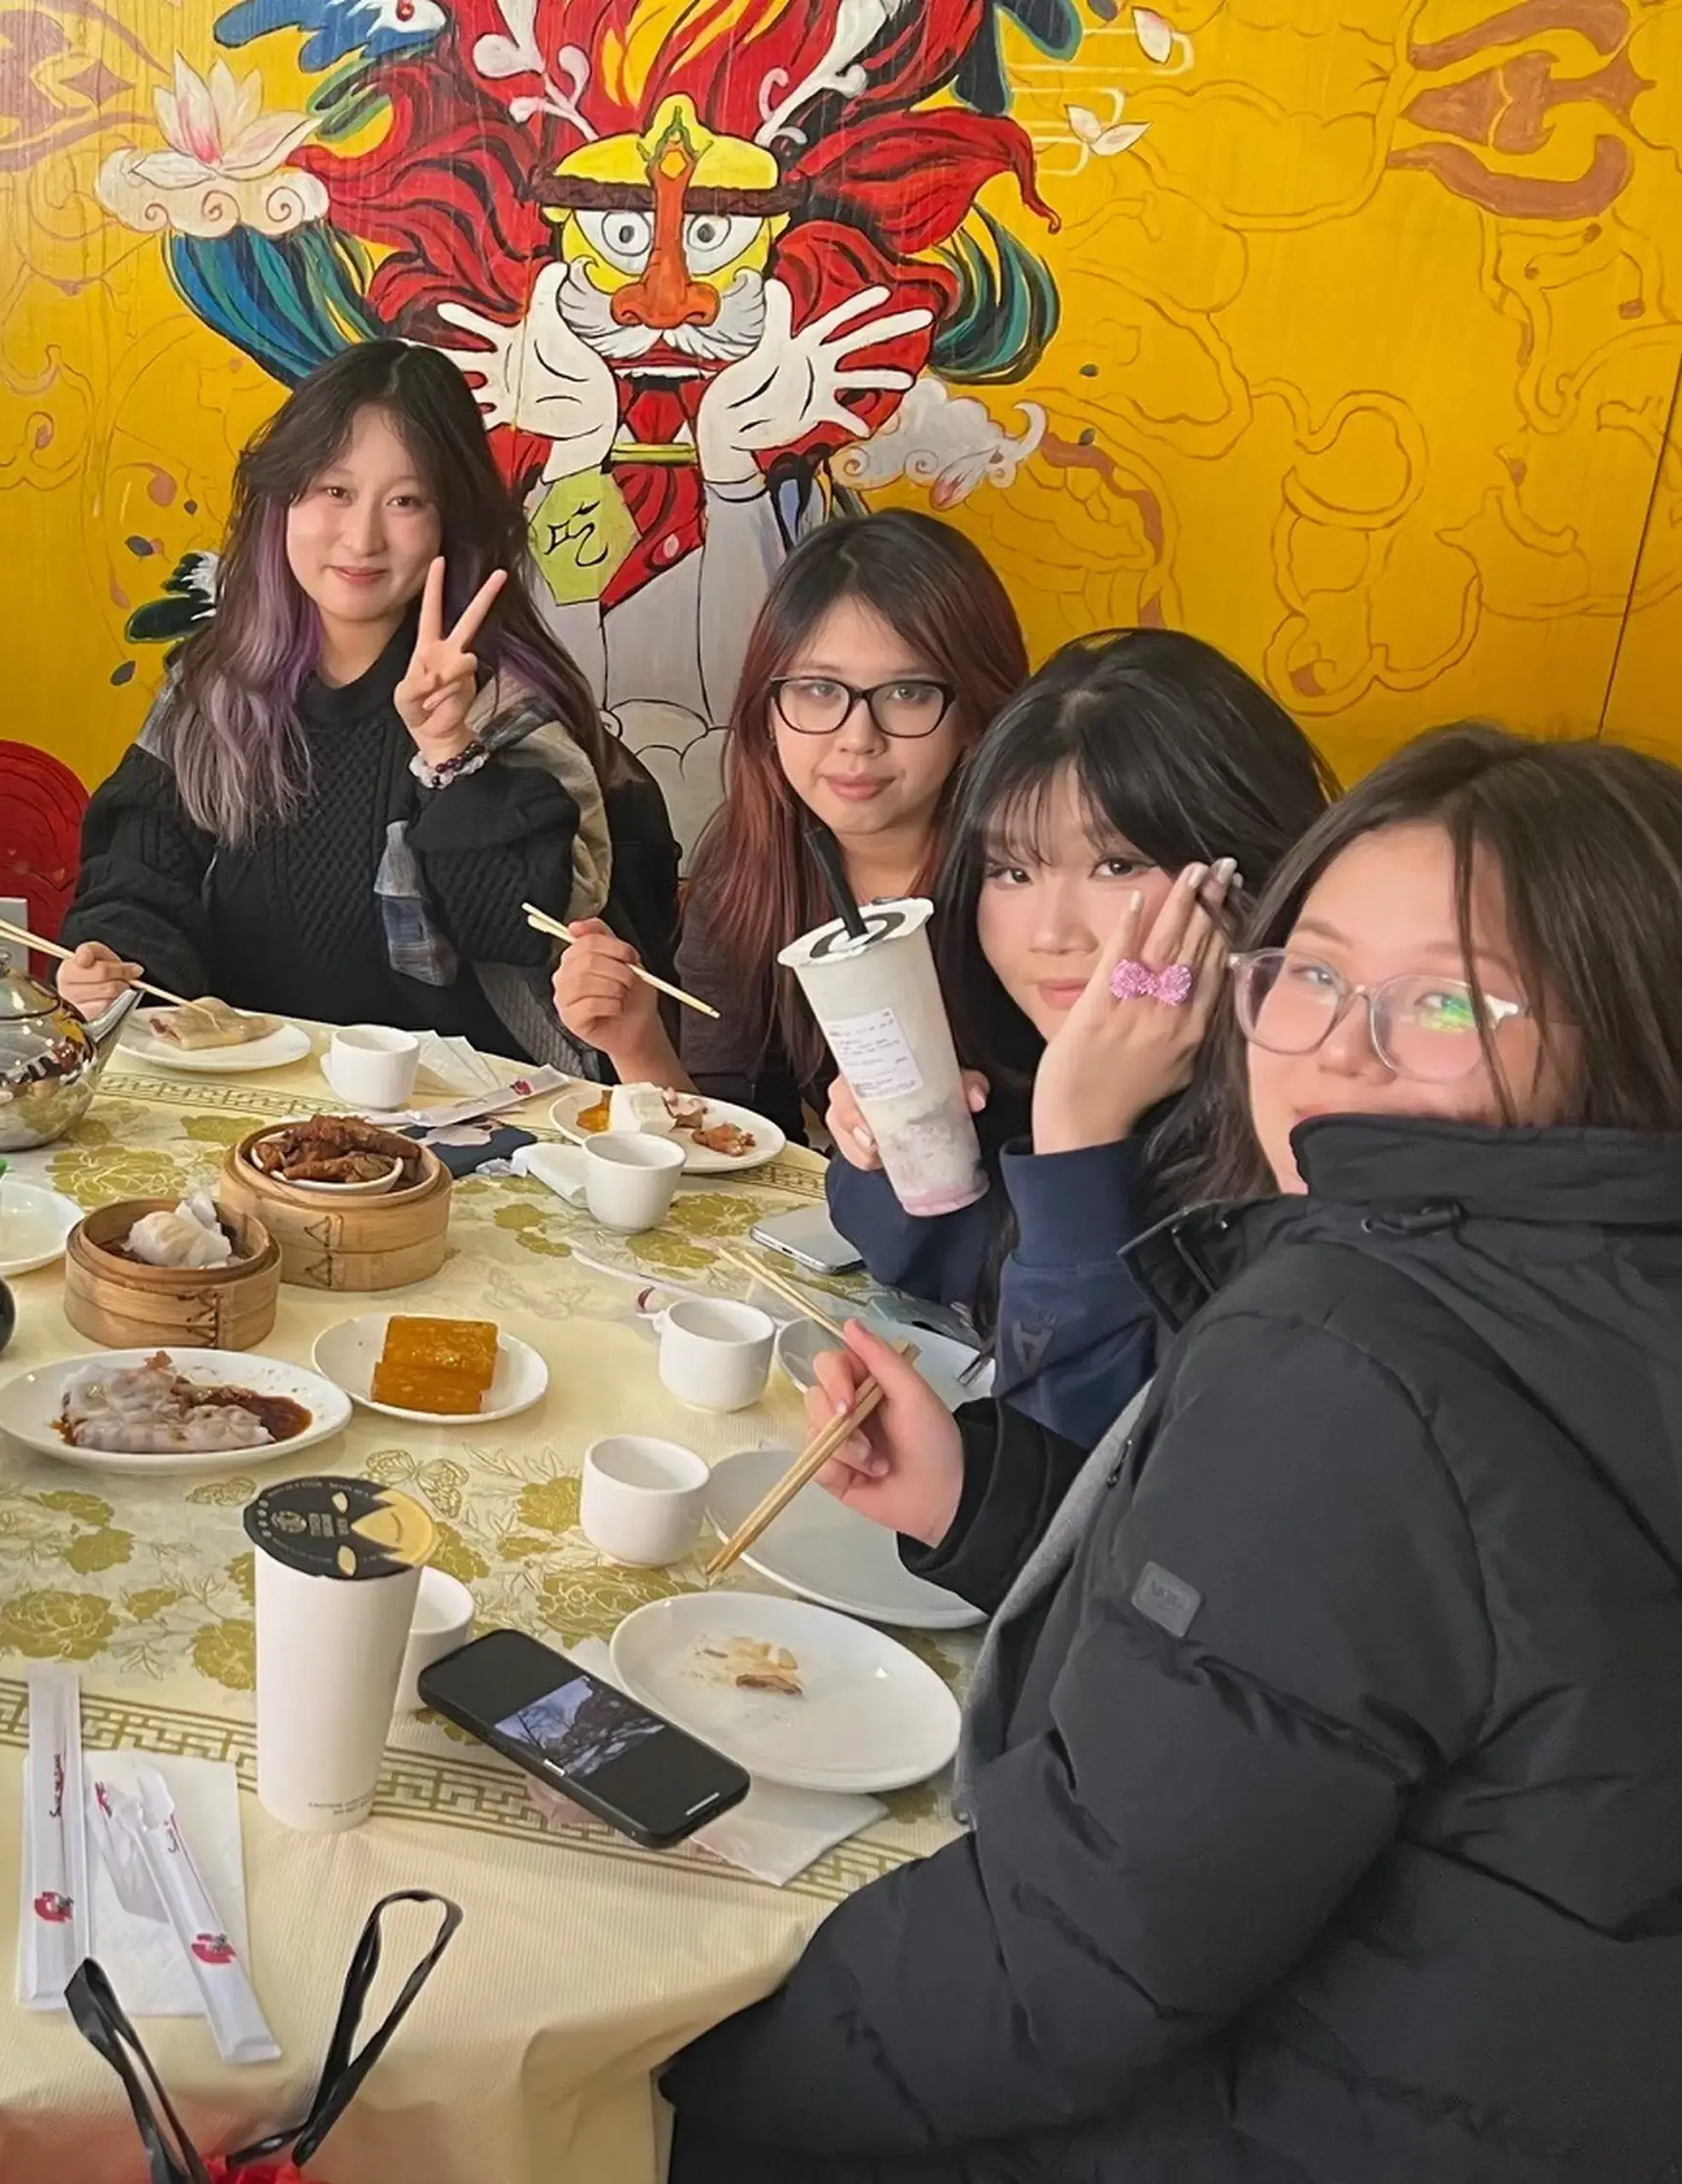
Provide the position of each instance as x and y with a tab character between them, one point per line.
190	1236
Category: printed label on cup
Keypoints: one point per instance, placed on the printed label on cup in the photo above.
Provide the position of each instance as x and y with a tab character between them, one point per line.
875	1056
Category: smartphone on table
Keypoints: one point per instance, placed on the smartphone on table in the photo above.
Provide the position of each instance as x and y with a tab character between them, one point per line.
579	1735
808	1237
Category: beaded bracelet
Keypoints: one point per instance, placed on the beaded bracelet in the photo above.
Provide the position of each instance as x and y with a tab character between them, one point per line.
467	761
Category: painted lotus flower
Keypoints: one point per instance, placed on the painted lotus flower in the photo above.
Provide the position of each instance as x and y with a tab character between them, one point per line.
224	168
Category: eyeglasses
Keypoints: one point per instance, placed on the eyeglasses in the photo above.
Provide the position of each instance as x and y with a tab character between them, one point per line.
817	705
1422	1027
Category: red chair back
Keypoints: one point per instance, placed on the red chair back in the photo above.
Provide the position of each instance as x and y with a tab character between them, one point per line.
41	808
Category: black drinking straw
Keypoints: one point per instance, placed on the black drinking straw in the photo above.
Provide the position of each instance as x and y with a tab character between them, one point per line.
826	856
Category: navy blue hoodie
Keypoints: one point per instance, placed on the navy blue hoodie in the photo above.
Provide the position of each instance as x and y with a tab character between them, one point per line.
1076	1339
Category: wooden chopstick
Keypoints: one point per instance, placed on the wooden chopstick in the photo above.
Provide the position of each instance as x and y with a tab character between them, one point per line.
784	1288
24	939
542	921
801	1472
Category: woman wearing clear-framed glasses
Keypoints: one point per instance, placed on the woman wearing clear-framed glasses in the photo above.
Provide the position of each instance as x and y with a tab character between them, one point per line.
885	645
1322	1772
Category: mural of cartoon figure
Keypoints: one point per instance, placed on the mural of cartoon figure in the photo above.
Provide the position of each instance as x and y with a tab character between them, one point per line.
688	253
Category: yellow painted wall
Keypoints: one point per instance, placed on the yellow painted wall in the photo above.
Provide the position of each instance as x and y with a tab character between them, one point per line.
1367	349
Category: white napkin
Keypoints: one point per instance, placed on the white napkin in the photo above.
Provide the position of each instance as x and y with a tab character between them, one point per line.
457	1063
774	1833
141	1957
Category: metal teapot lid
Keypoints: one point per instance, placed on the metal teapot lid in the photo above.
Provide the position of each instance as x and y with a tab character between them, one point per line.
20	995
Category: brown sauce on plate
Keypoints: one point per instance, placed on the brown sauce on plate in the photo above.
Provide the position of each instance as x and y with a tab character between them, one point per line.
279	1415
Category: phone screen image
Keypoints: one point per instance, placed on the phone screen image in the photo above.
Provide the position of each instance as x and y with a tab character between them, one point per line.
583	1737
580	1726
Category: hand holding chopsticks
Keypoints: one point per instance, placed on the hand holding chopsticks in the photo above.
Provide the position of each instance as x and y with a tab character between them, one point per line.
541	921
20	937
908	1477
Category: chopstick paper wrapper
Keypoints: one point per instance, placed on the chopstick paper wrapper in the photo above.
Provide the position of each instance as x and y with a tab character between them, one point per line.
151	1842
53	1932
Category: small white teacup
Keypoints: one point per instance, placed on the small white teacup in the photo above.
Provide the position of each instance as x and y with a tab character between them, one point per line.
627	1178
443	1621
372	1066
715	1356
641	1500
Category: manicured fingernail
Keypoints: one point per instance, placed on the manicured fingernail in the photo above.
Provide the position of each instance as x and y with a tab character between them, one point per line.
1136	899
1224	868
876	1466
842	1408
863	1139
1195	875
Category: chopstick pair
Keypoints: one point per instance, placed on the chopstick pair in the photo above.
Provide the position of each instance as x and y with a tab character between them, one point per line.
783	1287
23	938
541	921
805	1468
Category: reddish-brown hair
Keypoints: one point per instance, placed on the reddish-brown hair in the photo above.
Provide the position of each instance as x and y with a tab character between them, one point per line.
940	594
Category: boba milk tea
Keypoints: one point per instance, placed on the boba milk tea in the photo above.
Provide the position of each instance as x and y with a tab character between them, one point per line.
878	1001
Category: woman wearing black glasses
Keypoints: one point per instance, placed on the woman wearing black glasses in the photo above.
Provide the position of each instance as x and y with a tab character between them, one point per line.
1323	1773
884	647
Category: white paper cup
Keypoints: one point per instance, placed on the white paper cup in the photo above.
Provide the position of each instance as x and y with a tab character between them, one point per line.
715	1356
337	1565
372	1065
642	1500
443	1621
878	1003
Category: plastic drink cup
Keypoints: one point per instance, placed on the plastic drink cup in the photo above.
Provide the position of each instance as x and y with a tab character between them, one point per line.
338	1566
878	1003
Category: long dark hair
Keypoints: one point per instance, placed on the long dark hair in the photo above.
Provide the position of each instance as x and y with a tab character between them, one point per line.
233	733
1171	746
1587	837
940	594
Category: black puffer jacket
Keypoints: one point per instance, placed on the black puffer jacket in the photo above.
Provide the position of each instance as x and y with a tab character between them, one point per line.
1354	1852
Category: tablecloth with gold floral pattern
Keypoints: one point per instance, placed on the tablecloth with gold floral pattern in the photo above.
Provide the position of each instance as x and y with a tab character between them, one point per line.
583	1959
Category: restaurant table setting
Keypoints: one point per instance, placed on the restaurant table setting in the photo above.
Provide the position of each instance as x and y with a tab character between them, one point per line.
560	1370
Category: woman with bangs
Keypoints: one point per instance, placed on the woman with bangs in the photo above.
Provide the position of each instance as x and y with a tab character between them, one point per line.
1105	829
375	753
885	645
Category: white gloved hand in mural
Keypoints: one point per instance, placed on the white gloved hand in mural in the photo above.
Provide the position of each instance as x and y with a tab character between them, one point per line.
540	376
791	383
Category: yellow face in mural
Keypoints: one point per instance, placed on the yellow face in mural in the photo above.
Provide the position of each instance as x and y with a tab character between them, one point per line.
665	238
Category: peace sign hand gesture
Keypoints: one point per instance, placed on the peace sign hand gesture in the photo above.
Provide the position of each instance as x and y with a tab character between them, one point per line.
437	691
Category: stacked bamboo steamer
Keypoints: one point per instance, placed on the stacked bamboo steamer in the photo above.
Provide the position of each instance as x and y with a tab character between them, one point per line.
328	1242
122	1303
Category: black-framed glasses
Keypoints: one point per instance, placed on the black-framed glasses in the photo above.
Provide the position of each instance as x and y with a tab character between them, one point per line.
817	705
1422	1027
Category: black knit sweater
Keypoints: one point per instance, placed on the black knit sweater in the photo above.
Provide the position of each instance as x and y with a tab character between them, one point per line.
289	922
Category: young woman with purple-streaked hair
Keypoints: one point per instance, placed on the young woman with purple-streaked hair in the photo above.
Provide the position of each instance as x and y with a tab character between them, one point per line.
375	753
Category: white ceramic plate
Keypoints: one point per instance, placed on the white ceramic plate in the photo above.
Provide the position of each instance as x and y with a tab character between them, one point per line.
825	1552
30	1402
945	1364
768	1140
290	1042
348	1353
870	1717
34	1222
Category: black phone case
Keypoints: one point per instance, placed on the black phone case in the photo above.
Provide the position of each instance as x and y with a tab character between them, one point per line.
626	1823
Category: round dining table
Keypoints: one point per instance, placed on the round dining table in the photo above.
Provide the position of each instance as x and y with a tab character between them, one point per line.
583	1961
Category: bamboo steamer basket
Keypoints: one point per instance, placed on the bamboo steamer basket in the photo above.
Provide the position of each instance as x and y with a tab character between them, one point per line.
121	1304
328	1242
